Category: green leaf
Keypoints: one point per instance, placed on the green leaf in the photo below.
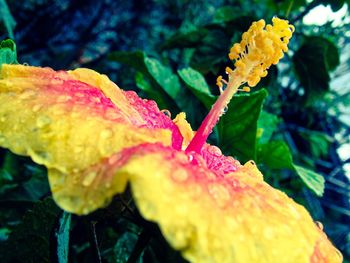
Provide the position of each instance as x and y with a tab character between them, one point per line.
275	155
312	62
134	59
225	14
124	247
318	142
313	180
8	52
197	84
7	18
238	126
30	240
148	81
211	51
288	6
63	238
4	233
185	39
267	124
169	83
152	92
164	77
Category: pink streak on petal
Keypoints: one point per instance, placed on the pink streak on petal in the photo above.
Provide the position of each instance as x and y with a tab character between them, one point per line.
154	118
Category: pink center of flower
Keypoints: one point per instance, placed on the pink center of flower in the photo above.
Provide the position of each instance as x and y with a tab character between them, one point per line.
213	117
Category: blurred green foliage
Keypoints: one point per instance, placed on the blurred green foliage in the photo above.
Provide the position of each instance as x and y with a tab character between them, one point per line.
291	125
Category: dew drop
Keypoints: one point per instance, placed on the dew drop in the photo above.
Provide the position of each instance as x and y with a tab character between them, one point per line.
2	139
89	178
220	194
319	225
340	255
214	150
75	176
180	175
63	98
106	134
78	149
196	191
268	233
85	211
113	159
166	112
58	110
95	99
28	94
111	114
190	156
43	121
36	108
80	95
68	201
57	81
181	157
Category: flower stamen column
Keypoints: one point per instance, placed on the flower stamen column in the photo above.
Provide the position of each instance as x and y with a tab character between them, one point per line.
261	46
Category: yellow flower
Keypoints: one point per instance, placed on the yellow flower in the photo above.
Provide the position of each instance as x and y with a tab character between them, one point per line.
95	138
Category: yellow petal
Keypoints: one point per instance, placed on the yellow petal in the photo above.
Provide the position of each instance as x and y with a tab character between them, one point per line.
214	210
63	122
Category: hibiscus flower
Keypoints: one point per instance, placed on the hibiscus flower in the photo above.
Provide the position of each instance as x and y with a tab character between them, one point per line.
95	138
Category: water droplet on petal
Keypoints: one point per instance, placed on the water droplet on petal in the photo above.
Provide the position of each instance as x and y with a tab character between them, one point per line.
43	121
89	178
63	98
113	159
340	255
2	139
166	112
214	150
196	191
78	149
190	156
80	95
268	233
36	108
57	81
181	157
95	99
180	175
111	114
85	211
319	225
28	94
220	194
106	134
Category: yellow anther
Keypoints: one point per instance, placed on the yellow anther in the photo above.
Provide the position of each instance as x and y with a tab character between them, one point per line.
219	82
239	64
261	46
228	70
246	89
